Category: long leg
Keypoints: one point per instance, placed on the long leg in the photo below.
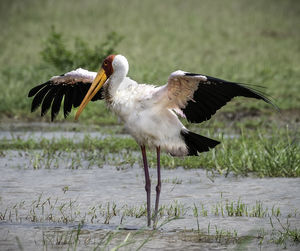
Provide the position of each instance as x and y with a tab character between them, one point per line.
158	187
147	185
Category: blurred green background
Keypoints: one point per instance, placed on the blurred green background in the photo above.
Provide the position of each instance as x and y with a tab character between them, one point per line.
248	41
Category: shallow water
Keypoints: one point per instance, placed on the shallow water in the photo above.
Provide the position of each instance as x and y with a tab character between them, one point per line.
38	131
79	190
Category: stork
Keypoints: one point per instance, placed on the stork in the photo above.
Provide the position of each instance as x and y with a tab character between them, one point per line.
149	113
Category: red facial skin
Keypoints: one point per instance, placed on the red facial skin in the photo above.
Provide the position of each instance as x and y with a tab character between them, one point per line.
107	65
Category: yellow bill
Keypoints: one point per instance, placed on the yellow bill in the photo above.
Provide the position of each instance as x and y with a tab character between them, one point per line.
95	87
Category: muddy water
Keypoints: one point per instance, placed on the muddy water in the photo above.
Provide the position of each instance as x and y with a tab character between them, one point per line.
21	186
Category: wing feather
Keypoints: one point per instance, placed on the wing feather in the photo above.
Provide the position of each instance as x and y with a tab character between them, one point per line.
76	97
68	101
69	88
34	90
200	96
38	98
47	101
57	102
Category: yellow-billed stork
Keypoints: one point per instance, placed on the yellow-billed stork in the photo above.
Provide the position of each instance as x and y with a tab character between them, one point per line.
149	112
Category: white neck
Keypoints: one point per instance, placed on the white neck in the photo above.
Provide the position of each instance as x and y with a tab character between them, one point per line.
120	70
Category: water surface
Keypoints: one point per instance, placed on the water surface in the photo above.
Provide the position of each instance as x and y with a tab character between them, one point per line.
100	185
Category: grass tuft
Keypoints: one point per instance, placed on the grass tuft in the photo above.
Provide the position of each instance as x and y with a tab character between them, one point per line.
285	233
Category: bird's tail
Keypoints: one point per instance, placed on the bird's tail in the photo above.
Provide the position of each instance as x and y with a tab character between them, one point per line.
197	143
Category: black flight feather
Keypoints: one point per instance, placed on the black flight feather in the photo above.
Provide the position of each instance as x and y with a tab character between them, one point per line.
48	100
68	101
34	90
214	93
57	102
38	98
76	96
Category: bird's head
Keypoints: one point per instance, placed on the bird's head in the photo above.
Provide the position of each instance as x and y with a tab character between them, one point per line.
112	65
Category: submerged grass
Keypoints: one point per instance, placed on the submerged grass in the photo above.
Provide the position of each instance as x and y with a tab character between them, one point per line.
82	238
226	208
286	233
100	240
53	210
66	210
255	153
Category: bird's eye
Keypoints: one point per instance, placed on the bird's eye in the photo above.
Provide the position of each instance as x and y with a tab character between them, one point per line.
105	63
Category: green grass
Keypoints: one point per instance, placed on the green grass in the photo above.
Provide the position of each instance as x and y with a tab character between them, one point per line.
247	41
252	152
285	233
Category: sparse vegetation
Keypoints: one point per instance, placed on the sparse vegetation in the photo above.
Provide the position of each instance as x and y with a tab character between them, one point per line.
46	209
285	233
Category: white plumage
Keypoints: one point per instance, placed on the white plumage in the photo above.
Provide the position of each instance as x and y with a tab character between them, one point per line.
78	75
143	109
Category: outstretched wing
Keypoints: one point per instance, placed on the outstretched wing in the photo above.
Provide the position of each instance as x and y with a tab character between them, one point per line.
71	86
197	97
